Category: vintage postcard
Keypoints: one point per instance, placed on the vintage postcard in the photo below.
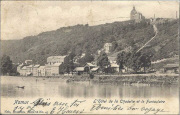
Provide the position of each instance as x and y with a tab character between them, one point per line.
89	57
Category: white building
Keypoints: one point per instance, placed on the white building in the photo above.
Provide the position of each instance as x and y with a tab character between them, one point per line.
107	47
48	70
41	71
52	70
35	70
55	69
115	67
29	70
23	71
55	59
28	62
19	67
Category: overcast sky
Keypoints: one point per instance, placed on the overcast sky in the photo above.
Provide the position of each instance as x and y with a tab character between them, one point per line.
25	18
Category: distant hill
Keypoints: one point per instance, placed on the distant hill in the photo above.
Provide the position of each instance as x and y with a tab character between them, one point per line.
81	38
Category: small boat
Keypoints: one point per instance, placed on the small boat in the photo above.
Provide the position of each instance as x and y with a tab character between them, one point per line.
22	87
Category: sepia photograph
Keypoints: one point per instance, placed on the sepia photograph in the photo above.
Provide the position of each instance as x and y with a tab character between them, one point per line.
89	57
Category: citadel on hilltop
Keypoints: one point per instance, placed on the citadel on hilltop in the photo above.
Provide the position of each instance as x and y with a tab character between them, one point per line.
137	16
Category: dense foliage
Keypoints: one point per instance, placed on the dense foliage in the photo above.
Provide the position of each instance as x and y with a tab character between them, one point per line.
68	65
87	58
125	35
134	61
103	61
7	68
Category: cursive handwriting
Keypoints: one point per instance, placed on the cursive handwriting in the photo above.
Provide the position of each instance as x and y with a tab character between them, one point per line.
103	107
18	109
41	101
152	109
20	102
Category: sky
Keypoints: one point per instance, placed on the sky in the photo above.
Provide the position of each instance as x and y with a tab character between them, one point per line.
28	18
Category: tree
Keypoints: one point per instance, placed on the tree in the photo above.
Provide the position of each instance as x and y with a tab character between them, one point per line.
87	58
6	65
122	59
135	61
103	61
14	70
68	65
111	39
145	61
139	60
114	46
62	68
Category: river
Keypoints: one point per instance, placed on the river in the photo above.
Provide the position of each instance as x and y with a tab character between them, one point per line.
57	87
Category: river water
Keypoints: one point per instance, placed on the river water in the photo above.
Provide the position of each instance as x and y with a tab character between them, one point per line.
57	87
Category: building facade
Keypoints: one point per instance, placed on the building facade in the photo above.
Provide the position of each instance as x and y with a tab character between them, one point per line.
29	70
107	47
35	70
55	69
171	68
28	62
19	67
48	70
23	71
41	71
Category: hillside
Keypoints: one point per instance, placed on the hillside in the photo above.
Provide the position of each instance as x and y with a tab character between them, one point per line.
82	38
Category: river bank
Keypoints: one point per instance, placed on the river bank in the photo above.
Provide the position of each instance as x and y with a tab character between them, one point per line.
129	79
120	79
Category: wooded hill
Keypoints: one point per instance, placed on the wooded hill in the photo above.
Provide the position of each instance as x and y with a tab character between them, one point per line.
125	35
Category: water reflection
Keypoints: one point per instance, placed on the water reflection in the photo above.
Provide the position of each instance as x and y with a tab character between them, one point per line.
48	87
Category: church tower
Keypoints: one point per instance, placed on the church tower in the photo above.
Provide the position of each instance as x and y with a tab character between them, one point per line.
133	13
137	16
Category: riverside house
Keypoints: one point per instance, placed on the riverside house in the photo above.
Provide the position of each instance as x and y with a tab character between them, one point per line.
23	71
114	67
95	70
88	67
29	70
55	69
171	68
35	70
19	67
41	71
79	70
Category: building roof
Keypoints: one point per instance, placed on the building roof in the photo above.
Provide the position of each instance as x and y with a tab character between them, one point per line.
60	57
90	64
36	66
112	58
24	67
21	65
108	44
29	66
95	69
171	66
79	69
56	64
42	67
114	65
